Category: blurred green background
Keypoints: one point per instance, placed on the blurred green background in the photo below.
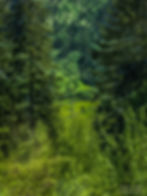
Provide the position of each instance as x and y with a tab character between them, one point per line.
73	98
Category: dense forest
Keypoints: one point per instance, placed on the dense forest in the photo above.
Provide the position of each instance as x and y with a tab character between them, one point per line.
73	97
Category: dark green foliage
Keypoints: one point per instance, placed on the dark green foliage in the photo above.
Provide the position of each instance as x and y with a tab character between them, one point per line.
75	33
96	145
32	64
5	59
27	72
121	52
121	73
5	83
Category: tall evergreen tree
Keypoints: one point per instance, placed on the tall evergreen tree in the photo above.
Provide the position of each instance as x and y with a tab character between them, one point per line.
5	82
122	74
32	64
27	72
5	60
122	48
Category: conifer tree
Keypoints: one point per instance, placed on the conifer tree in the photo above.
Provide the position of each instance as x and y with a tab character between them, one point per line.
5	60
5	82
30	33
32	64
123	70
122	48
27	72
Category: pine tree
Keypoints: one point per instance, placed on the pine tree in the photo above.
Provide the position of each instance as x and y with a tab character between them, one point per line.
5	60
122	74
27	90
122	47
32	64
5	82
